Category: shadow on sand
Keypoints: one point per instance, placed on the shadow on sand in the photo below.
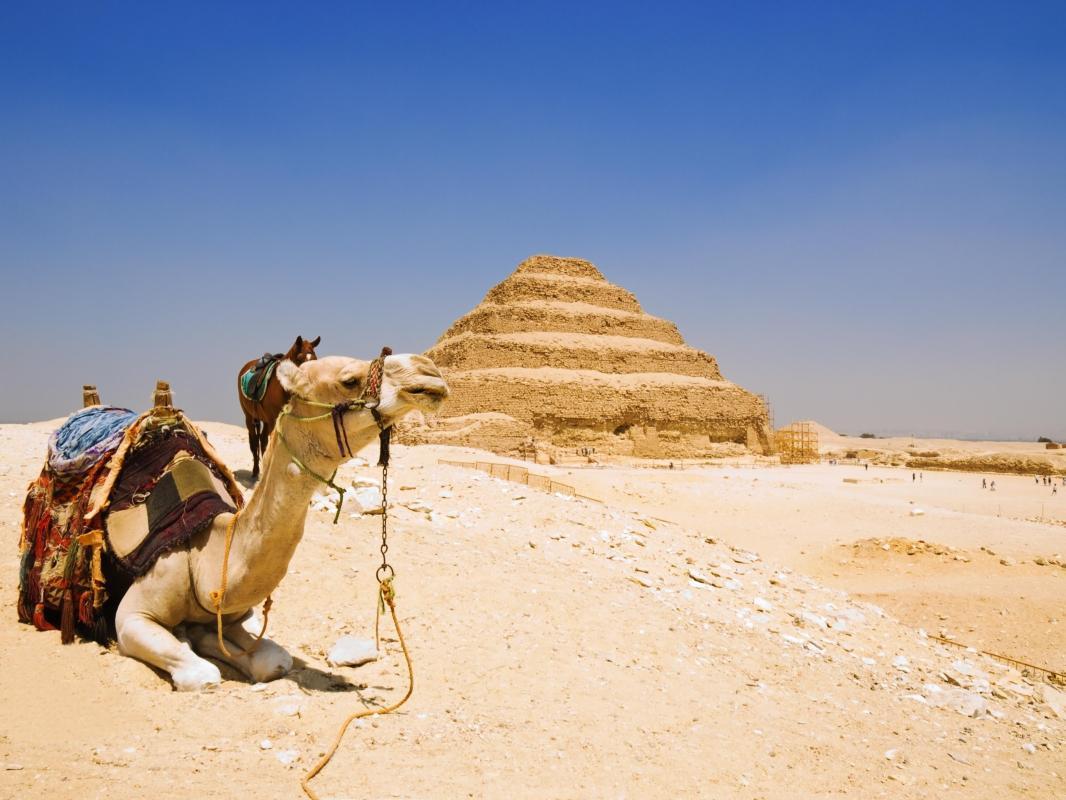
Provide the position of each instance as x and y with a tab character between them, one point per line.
244	478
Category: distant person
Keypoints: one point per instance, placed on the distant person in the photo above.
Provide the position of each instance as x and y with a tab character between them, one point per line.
921	476
867	466
993	486
1036	480
914	477
984	483
1054	489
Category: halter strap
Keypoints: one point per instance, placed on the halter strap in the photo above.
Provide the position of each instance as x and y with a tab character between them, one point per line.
308	471
369	399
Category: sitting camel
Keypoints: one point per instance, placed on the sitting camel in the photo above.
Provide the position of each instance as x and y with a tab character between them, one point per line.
178	589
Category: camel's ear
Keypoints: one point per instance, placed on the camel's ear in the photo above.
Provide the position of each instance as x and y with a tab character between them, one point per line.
293	379
316	341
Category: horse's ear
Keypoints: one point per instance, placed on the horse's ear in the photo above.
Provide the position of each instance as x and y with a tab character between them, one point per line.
293	379
299	343
316	341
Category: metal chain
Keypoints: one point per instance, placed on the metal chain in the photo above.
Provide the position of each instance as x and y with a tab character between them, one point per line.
385	571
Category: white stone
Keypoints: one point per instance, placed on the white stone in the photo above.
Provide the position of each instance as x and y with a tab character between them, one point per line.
961	701
368	497
814	619
286	757
289	705
1055	699
699	577
351	651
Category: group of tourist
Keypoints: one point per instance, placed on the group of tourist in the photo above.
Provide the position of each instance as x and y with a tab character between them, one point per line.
1047	480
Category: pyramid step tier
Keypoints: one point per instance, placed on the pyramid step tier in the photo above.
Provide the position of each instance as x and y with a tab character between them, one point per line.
563	317
525	287
572	351
560	398
560	265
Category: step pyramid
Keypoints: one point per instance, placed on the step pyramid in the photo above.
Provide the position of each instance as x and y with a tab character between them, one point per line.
556	355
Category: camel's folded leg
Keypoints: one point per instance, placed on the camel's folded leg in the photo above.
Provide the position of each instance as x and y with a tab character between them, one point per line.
143	638
268	662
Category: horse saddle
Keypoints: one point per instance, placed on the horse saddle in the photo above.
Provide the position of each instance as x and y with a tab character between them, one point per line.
254	382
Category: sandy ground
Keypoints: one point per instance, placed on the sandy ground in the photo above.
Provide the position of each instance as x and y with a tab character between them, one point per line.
664	643
821	520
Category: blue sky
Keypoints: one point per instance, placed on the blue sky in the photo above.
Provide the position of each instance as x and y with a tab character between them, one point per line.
859	208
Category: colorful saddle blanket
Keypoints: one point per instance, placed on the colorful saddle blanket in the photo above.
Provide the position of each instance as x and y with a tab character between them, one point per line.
168	490
86	437
254	382
146	495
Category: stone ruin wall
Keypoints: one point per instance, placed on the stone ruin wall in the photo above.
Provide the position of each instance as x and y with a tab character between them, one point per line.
557	358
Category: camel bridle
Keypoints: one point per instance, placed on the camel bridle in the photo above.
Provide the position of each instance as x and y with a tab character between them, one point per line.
369	399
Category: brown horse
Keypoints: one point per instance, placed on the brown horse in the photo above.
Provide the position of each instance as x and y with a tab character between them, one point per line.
259	417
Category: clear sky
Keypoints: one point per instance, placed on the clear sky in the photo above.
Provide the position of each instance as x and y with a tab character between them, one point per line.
859	208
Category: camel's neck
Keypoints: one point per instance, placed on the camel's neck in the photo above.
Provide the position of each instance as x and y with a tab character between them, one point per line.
272	523
270	526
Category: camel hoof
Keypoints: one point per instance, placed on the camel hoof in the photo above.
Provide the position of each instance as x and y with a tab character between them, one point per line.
196	677
270	663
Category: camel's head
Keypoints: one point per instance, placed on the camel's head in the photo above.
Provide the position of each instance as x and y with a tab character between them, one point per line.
410	383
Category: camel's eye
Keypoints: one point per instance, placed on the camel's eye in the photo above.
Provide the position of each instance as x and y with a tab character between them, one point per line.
351	383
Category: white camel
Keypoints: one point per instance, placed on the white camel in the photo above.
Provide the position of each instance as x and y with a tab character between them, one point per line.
178	589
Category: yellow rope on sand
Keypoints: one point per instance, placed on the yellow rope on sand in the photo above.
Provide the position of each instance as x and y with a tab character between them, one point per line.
219	597
386	596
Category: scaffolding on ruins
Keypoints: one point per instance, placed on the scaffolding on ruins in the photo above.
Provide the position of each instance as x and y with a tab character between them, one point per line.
769	410
797	443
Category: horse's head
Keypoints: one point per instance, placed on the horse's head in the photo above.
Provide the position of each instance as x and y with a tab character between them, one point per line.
303	350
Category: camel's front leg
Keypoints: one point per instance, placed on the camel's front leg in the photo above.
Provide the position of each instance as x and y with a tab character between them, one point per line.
268	662
143	638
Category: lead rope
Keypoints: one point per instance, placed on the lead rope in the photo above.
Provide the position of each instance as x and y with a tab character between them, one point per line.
218	597
386	597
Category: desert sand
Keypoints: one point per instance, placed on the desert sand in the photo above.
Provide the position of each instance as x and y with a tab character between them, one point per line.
709	631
